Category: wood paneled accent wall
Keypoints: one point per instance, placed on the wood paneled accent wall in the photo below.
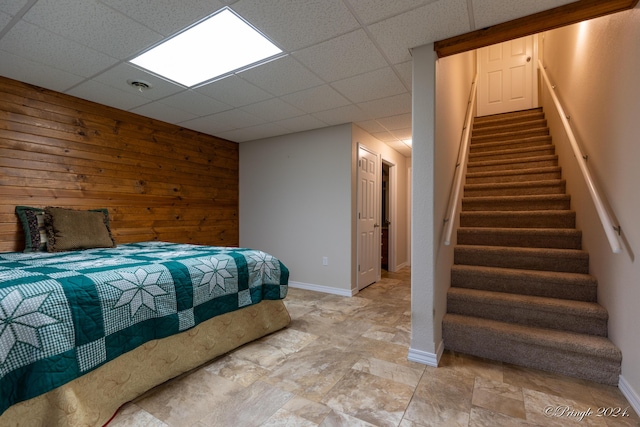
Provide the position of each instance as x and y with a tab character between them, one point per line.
159	181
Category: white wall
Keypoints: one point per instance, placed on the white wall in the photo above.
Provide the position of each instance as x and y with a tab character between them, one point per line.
596	68
298	202
438	119
295	203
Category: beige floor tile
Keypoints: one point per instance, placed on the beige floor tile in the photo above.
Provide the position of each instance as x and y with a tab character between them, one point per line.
551	410
284	418
252	406
390	371
131	415
338	419
499	397
307	409
481	417
373	399
239	371
424	413
186	400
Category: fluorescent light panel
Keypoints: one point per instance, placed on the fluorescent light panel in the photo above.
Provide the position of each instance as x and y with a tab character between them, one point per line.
216	46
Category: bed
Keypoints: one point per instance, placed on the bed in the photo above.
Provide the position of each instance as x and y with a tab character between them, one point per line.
83	332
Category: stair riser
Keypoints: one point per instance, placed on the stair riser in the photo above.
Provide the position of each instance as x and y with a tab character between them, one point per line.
520	240
509	118
515	191
488	344
506	155
509	135
496	179
512	220
528	316
498	128
541	163
568	264
584	290
511	144
515	205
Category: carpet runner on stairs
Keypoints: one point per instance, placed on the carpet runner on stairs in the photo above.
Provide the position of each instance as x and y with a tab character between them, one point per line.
520	291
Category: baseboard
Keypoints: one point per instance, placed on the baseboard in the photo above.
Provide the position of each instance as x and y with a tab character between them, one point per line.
426	358
631	394
401	266
323	289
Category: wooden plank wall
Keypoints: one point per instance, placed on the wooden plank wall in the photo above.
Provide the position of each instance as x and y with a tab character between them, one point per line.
159	181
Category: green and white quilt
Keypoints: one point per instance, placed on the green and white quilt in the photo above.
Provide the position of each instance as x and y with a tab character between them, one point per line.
64	314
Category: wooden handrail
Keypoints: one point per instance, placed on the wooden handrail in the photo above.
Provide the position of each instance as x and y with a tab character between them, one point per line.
612	231
460	166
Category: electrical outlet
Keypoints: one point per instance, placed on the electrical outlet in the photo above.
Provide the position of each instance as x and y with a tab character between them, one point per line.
325	260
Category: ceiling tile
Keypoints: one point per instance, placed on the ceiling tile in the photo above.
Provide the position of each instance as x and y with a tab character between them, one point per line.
371	126
316	99
405	70
94	25
119	76
12	7
384	136
342	57
236	119
295	24
371	11
207	125
166	16
369	86
428	23
301	123
406	133
4	20
340	115
195	103
401	121
34	43
273	110
282	76
491	12
234	91
393	105
254	132
163	112
25	70
103	94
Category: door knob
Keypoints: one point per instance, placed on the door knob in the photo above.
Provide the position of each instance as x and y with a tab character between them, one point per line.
528	59
376	225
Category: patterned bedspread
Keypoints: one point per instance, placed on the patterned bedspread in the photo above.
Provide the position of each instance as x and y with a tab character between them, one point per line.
64	314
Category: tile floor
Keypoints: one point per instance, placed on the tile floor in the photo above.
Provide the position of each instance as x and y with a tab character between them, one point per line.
343	362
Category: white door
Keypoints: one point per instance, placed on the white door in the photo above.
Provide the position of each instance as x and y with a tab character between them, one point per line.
368	217
506	77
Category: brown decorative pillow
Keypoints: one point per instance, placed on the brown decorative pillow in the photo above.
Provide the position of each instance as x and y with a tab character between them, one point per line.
35	234
69	229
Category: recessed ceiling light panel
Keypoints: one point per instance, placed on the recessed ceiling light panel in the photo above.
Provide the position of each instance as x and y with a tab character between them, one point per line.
216	46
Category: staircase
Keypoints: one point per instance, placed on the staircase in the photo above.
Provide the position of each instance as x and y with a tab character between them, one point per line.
520	291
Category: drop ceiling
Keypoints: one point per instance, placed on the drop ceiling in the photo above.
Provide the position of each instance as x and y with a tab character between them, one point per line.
347	60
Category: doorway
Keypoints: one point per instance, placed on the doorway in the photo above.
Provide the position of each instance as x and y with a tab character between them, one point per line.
385	209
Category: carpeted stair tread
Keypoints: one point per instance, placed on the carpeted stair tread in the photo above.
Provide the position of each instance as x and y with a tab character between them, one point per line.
519	219
513	153
541	312
517	203
550	284
519	175
511	164
557	238
534	141
502	136
549	186
563	260
585	356
513	126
